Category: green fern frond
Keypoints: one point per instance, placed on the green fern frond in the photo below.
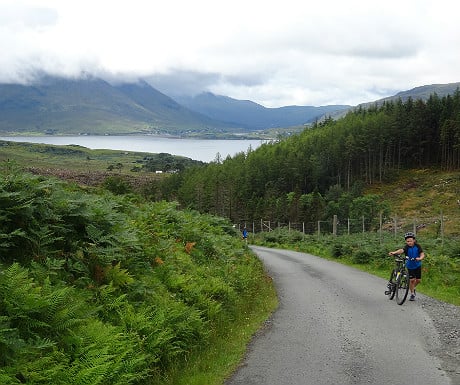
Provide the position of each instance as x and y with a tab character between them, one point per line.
117	276
7	379
41	344
94	234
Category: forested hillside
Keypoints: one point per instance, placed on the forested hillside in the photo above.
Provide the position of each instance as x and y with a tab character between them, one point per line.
103	289
324	170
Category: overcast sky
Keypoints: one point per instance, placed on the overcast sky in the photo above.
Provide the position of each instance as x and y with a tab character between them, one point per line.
275	53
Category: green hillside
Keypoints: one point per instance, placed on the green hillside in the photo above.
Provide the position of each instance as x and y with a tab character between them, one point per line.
131	171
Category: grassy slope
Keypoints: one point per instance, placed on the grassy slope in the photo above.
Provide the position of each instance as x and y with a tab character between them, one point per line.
71	157
423	196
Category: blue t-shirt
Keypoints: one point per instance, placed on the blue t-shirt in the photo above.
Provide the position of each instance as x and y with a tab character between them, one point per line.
413	252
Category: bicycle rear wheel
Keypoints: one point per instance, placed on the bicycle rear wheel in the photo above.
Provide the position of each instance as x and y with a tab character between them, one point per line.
391	287
402	287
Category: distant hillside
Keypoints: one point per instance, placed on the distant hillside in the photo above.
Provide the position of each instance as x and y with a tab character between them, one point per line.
253	116
93	106
90	105
422	92
168	113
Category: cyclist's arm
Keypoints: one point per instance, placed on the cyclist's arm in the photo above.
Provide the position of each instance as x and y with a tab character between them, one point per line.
420	257
396	252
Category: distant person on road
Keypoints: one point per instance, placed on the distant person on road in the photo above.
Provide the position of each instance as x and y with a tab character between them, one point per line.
414	254
245	234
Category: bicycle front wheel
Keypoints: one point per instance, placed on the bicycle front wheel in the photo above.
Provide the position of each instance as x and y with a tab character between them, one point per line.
402	288
391	287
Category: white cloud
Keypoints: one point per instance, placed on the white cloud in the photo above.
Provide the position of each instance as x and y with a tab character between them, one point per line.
290	52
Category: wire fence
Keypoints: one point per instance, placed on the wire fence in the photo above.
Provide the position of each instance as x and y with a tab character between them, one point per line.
439	225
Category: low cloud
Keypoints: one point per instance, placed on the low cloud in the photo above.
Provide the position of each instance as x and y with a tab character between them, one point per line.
180	82
294	52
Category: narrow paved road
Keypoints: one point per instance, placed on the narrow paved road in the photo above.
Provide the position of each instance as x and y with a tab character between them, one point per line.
334	326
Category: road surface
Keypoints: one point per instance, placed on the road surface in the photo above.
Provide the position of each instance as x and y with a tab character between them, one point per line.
335	326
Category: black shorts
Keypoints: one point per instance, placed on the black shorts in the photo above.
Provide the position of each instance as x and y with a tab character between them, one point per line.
415	273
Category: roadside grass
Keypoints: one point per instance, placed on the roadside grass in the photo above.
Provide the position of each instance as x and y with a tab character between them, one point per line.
215	362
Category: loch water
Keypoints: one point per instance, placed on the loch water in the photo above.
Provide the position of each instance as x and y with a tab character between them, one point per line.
205	150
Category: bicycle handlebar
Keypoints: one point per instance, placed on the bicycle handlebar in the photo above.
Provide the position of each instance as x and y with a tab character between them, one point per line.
398	256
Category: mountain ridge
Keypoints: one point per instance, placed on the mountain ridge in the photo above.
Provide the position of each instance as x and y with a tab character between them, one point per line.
93	106
252	115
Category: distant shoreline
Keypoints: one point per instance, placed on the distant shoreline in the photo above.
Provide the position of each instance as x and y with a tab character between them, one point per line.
163	136
205	150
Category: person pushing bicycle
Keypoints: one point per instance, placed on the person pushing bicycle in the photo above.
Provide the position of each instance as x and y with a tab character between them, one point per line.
414	254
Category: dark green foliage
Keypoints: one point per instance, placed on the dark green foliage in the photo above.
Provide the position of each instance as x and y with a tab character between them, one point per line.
340	249
281	236
96	289
167	162
58	150
117	185
362	256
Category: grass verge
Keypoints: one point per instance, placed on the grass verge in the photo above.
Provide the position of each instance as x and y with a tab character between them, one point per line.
215	362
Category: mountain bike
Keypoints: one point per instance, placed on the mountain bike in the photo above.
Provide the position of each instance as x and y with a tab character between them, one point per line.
398	284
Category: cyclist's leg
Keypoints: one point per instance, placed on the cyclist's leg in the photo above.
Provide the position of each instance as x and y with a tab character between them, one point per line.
417	276
412	281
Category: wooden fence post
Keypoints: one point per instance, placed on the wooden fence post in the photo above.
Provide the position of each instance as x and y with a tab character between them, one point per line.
442	230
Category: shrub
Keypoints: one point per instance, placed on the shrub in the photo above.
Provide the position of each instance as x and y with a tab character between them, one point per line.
117	185
361	256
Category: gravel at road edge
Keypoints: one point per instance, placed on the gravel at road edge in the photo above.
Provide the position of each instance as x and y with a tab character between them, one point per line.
446	318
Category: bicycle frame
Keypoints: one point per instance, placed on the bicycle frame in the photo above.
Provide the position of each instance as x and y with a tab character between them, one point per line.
398	284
